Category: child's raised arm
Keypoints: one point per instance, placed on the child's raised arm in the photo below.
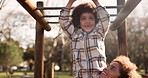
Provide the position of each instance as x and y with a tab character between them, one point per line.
65	20
69	4
96	2
103	17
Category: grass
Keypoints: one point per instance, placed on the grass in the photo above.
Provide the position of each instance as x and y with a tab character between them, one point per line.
56	74
15	74
62	75
20	74
141	72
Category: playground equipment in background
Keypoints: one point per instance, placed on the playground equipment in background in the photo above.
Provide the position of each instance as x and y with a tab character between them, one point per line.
126	9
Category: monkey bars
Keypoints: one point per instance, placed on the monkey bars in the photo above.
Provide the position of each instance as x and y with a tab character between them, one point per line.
36	14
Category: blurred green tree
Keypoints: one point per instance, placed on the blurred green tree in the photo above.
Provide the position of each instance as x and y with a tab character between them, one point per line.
29	57
10	54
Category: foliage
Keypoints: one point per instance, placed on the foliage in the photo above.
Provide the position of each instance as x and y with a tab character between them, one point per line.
58	50
29	57
12	26
29	54
111	46
137	37
10	54
138	41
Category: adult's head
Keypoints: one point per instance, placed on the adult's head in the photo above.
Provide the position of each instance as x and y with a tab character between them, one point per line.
83	8
120	67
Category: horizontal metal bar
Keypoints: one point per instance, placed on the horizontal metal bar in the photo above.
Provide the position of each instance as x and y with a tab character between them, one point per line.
57	8
112	15
53	22
58	22
50	8
118	6
59	15
51	15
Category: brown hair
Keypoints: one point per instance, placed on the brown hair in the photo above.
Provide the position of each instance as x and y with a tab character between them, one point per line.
83	8
127	68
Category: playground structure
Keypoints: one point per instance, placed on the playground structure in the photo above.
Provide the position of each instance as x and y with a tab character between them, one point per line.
119	24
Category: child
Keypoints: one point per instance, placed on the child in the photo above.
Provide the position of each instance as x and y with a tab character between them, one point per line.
87	30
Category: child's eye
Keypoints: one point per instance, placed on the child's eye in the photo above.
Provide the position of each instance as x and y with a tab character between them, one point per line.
83	18
112	69
91	18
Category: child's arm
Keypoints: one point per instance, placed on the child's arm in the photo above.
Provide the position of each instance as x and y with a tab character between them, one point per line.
69	4
103	16
65	21
96	2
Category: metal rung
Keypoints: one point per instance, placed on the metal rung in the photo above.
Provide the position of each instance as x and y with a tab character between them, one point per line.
53	22
50	8
118	6
57	8
51	15
58	22
112	15
69	16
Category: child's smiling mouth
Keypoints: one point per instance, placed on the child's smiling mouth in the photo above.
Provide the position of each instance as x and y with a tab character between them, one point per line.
88	26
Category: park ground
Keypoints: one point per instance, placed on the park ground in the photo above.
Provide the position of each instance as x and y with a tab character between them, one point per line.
56	74
20	75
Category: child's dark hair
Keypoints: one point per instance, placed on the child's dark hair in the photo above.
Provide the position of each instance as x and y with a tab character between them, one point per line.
83	8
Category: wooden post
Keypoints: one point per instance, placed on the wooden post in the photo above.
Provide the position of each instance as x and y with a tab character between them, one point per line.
39	49
122	38
49	71
36	14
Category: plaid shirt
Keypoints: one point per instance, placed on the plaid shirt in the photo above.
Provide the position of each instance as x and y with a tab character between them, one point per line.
88	48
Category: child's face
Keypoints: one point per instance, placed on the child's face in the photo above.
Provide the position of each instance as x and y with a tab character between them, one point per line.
87	22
